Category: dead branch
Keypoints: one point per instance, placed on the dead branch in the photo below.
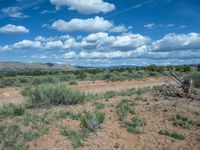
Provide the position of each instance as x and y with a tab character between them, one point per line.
182	88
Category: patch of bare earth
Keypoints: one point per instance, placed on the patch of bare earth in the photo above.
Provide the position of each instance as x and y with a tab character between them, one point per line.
54	141
10	95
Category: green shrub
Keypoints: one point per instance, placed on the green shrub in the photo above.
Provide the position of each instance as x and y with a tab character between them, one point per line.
172	134
124	107
32	119
179	68
133	125
12	110
92	120
12	137
82	75
152	67
54	94
184	122
186	68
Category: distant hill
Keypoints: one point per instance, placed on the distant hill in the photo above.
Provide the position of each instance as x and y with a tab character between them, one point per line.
22	66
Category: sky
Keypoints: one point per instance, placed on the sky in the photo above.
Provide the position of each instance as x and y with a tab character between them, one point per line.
100	32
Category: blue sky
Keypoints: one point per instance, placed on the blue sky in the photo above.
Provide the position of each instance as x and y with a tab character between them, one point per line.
100	32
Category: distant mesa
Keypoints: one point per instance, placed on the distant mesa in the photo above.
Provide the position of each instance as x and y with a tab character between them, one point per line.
23	66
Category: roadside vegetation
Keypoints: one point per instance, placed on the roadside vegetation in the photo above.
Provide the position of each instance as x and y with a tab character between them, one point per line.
46	95
18	79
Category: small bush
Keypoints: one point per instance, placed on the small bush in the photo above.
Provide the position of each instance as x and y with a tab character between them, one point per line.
32	119
152	67
124	108
184	122
11	110
133	125
58	94
92	121
172	134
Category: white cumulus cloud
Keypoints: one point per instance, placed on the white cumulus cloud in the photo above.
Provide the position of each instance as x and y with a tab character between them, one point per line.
13	29
103	41
97	24
174	42
85	6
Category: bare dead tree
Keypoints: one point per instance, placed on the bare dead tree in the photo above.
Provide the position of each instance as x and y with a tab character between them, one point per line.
182	88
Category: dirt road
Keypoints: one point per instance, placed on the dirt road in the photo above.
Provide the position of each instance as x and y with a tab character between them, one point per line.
13	94
103	86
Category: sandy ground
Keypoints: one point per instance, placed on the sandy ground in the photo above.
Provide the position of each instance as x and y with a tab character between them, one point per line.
10	95
156	109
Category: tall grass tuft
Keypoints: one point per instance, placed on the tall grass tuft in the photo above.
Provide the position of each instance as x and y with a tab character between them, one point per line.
11	110
46	95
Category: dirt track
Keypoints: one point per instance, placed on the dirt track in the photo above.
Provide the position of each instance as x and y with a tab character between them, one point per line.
13	94
102	86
